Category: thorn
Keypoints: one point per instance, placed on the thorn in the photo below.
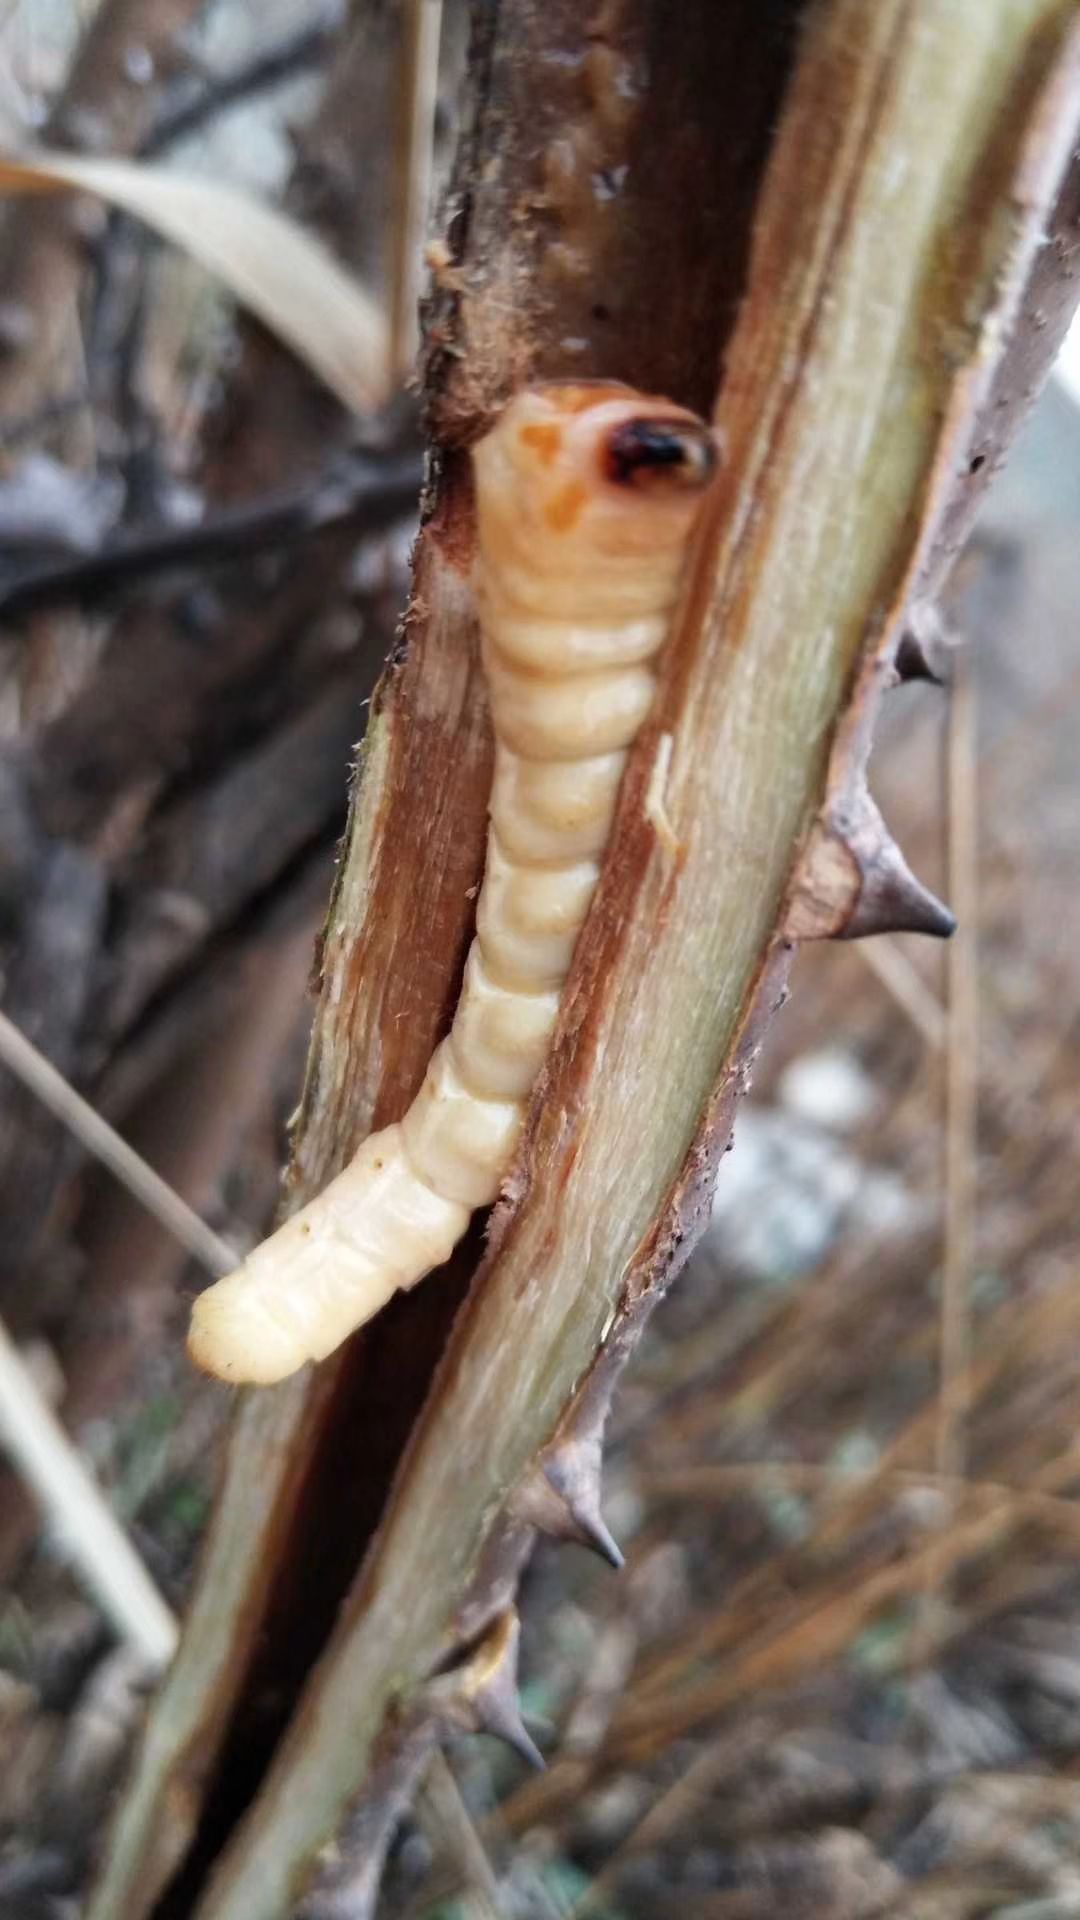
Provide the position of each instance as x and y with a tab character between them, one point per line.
853	881
892	900
923	649
912	663
596	1535
562	1498
501	1717
577	1484
488	1690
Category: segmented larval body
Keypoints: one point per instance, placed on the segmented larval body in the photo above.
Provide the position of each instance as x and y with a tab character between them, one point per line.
586	497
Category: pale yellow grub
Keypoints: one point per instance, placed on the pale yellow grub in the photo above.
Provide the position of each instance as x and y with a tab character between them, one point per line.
586	499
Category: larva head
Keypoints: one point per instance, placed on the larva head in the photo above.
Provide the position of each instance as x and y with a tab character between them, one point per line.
588	494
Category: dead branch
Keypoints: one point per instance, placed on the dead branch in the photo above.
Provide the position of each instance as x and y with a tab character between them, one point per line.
361	494
195	104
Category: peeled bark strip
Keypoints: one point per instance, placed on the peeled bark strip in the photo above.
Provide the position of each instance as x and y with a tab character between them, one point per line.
917	163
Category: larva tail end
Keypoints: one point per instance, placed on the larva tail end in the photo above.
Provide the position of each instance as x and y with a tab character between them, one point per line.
232	1337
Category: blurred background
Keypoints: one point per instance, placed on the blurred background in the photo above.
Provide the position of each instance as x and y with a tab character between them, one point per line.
841	1674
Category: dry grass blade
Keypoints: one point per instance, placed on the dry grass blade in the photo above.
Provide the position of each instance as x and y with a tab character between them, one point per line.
890	964
39	1448
706	1484
269	264
676	1807
80	1515
22	1058
445	1817
418	88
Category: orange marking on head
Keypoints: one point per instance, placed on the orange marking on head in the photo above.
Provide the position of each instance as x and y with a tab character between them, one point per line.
564	507
545	439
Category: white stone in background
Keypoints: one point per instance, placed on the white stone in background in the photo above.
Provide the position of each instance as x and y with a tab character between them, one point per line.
789	1189
829	1089
139	65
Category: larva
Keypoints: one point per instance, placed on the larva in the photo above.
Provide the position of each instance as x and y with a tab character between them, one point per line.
586	497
